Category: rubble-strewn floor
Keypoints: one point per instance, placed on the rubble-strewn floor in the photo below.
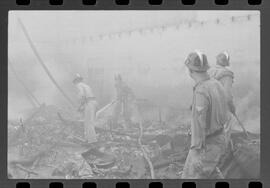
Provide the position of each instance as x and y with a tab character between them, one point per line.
50	145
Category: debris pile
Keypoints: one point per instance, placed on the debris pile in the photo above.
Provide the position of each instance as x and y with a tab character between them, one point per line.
50	144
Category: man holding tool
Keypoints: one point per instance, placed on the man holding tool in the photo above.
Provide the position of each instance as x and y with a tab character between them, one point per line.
209	117
88	105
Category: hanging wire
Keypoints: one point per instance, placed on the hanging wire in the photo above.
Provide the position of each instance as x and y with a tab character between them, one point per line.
163	28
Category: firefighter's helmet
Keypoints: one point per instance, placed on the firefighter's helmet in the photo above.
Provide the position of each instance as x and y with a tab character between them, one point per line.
78	78
223	59
197	61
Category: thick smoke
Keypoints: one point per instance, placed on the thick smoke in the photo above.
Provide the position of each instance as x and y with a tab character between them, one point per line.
152	63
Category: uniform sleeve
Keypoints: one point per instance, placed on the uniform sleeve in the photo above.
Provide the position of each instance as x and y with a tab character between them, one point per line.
81	92
117	91
200	123
225	73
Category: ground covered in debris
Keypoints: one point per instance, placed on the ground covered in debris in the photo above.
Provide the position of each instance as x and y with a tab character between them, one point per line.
49	144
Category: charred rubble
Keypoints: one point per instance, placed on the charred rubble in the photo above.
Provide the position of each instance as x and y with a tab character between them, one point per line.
49	144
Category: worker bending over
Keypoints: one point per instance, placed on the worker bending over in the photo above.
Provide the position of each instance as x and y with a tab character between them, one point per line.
124	99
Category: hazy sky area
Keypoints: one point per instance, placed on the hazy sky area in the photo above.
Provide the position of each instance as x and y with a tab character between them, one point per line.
151	61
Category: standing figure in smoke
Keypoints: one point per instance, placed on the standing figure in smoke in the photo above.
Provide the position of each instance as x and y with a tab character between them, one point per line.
88	105
225	76
209	116
222	73
124	98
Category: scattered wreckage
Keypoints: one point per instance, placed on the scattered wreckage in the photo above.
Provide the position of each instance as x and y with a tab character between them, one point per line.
49	144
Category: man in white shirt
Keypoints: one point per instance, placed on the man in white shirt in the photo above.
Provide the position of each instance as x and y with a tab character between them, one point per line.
88	105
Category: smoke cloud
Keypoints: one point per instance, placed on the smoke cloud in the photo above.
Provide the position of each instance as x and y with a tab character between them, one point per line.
152	63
